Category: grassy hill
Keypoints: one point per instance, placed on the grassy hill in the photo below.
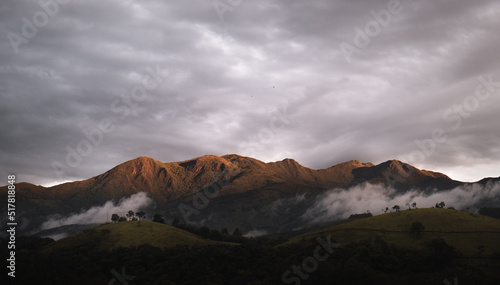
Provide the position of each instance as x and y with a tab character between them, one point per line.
174	256
129	234
464	231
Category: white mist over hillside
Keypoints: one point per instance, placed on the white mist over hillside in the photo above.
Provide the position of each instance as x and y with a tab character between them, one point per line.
100	214
339	204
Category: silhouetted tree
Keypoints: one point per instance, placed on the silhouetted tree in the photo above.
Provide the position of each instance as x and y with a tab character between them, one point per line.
237	232
386	209
115	218
157	218
440	205
130	214
414	205
396	207
140	215
360	216
122	219
224	231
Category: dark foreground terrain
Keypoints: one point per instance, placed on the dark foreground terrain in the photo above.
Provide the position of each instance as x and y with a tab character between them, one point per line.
357	252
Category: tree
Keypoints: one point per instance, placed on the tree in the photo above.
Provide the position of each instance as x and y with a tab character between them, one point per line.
237	232
386	209
140	215
115	218
360	216
417	228
440	205
396	207
414	205
157	218
122	219
130	214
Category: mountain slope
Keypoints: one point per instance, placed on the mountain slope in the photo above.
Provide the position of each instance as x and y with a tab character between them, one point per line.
241	187
403	176
170	181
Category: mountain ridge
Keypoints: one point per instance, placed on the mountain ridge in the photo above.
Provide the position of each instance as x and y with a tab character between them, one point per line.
172	180
242	188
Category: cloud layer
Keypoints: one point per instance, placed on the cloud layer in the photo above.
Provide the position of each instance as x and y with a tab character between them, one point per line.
101	214
230	73
339	204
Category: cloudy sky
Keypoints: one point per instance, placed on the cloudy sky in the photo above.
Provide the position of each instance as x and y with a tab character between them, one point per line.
86	85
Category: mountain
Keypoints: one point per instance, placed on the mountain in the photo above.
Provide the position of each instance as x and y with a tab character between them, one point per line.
169	181
403	176
242	188
489	180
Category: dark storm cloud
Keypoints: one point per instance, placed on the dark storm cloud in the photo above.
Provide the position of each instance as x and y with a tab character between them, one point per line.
231	77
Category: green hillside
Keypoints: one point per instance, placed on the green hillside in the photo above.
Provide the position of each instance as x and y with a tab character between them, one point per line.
130	234
464	231
159	254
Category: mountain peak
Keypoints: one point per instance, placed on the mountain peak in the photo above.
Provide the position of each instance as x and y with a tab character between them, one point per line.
357	163
205	163
397	165
290	161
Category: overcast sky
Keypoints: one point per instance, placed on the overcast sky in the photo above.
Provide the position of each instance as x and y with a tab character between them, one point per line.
321	82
